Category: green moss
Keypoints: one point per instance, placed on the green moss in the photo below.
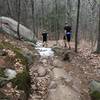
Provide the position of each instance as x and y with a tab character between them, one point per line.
22	81
16	50
3	78
21	57
95	95
2	74
3	96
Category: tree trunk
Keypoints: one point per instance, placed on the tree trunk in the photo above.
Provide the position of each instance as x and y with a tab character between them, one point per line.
9	8
18	26
69	11
77	26
56	27
98	44
42	8
33	18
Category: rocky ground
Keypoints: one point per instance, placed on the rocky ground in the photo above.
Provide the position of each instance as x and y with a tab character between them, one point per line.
15	58
64	75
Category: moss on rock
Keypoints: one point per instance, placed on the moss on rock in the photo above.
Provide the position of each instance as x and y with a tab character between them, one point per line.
95	95
22	81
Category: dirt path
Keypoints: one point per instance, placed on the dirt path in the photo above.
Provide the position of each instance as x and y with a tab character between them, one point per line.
51	80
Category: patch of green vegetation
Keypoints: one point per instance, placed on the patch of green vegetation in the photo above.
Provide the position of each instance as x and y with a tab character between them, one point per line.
2	74
95	95
3	78
3	96
22	81
9	46
16	50
1	30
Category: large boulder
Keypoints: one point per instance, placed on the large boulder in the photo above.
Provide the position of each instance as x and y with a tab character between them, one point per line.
10	26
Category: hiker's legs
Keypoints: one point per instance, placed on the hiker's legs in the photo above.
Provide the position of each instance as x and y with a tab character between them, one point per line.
68	40
46	43
69	45
43	44
65	43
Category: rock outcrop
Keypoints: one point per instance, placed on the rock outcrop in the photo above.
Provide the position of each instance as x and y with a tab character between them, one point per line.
9	26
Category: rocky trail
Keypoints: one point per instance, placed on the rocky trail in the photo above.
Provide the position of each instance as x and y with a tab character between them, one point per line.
50	81
55	78
56	72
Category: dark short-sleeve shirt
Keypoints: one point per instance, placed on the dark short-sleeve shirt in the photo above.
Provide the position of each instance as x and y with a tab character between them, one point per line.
68	28
44	34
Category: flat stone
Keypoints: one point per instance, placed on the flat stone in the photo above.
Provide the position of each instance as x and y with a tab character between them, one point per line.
58	63
53	85
42	71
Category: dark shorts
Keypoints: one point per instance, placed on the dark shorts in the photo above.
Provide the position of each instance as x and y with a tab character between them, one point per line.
44	39
68	37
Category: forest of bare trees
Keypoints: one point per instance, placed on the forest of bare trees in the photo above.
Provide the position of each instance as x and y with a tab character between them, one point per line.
51	15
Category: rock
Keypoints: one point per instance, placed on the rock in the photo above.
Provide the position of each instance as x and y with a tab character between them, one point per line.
66	57
42	71
29	58
59	73
95	86
34	87
10	73
63	93
95	90
58	63
29	55
2	53
44	61
53	85
10	26
57	50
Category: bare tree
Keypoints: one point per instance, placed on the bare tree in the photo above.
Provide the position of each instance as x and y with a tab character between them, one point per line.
42	11
33	15
98	45
77	25
18	26
9	8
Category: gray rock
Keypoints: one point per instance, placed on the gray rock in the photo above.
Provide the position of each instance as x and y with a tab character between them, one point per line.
58	63
53	85
2	53
95	86
10	26
42	71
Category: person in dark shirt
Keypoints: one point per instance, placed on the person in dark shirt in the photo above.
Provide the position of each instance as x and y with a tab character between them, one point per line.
68	33
44	35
